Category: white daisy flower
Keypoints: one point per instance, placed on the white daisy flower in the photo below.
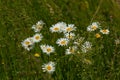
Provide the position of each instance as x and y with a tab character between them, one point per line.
28	43
71	50
69	28
62	41
49	67
58	27
86	46
47	49
38	26
104	31
69	35
37	37
117	41
94	26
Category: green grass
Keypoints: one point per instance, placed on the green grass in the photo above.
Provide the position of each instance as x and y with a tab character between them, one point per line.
17	18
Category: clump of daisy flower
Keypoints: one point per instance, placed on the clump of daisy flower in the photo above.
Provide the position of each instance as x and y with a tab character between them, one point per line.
37	37
28	43
69	35
94	26
104	31
38	26
47	49
71	50
62	42
49	67
58	27
69	28
86	47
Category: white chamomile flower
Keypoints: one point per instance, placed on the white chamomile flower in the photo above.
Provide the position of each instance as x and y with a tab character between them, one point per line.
38	26
37	37
28	43
86	47
62	42
69	35
94	26
71	50
104	31
117	41
47	49
49	67
69	28
58	27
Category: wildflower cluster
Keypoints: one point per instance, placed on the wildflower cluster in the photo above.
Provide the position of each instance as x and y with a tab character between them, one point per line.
71	42
96	26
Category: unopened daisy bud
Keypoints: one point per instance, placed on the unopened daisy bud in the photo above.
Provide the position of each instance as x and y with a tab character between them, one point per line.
97	35
37	55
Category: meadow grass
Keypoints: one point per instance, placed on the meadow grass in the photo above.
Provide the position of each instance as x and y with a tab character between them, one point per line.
17	18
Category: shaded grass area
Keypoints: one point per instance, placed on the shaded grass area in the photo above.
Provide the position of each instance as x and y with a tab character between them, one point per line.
16	19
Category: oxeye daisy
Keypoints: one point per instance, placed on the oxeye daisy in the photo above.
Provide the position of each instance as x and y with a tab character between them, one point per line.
94	26
69	35
104	31
62	41
38	26
47	49
55	28
71	50
28	43
58	27
69	28
37	37
49	67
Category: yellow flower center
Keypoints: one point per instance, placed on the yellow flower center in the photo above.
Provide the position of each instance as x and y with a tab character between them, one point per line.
48	49
27	42
37	37
63	42
56	28
94	27
104	31
39	27
70	37
49	67
72	50
69	29
98	35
